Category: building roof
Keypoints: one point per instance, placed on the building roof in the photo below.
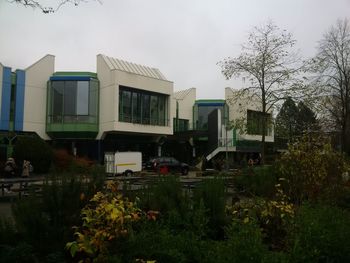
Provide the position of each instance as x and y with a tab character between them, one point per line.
180	95
122	65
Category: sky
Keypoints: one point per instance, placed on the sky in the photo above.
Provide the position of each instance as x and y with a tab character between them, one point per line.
184	39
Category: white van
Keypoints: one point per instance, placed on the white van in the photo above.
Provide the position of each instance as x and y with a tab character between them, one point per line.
125	163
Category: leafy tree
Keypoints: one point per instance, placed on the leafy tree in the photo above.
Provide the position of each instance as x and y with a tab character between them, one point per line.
293	120
48	9
332	82
306	119
269	63
286	120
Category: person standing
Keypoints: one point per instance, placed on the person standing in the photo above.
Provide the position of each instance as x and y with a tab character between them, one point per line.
25	171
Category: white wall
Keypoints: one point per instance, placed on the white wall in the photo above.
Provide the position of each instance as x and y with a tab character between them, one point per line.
238	110
36	77
186	100
110	79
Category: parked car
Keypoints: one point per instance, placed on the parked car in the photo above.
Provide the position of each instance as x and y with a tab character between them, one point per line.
170	163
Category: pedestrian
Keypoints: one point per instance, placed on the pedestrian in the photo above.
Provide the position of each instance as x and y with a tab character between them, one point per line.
10	167
26	167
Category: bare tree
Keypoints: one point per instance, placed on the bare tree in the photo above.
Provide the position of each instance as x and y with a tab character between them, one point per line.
269	62
48	9
332	82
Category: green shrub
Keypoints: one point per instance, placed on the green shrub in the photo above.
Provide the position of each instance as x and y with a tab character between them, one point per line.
257	181
46	222
34	149
19	253
212	193
313	170
164	195
322	234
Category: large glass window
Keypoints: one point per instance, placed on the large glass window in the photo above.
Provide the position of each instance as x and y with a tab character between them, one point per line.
203	113
255	122
162	110
57	100
154	110
145	108
126	106
72	101
83	98
138	106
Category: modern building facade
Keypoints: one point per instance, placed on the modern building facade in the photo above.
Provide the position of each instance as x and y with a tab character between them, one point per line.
122	106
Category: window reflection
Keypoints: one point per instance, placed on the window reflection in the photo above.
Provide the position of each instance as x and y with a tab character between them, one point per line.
142	107
73	101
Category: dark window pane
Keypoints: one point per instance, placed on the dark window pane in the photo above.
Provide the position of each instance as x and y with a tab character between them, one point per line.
70	95
57	100
126	106
82	98
154	110
145	108
136	107
161	106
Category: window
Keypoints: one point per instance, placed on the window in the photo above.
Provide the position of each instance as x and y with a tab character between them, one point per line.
180	125
203	113
255	122
126	106
145	109
162	110
82	98
72	101
138	106
154	110
57	100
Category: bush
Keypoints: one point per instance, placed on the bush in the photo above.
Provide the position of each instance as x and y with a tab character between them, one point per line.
257	181
322	234
34	149
46	222
313	170
164	195
212	193
62	160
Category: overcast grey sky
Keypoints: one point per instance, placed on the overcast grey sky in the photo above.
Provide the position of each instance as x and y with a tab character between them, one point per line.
184	39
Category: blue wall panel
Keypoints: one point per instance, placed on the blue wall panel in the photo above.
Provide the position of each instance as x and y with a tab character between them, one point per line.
20	92
5	99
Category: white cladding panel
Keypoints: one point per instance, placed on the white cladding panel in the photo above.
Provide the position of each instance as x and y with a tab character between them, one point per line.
186	100
36	77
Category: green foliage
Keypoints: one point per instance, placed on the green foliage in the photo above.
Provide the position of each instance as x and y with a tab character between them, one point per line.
164	194
322	234
7	232
107	217
312	169
292	121
244	244
286	120
306	121
274	216
45	222
257	181
20	253
34	149
212	193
